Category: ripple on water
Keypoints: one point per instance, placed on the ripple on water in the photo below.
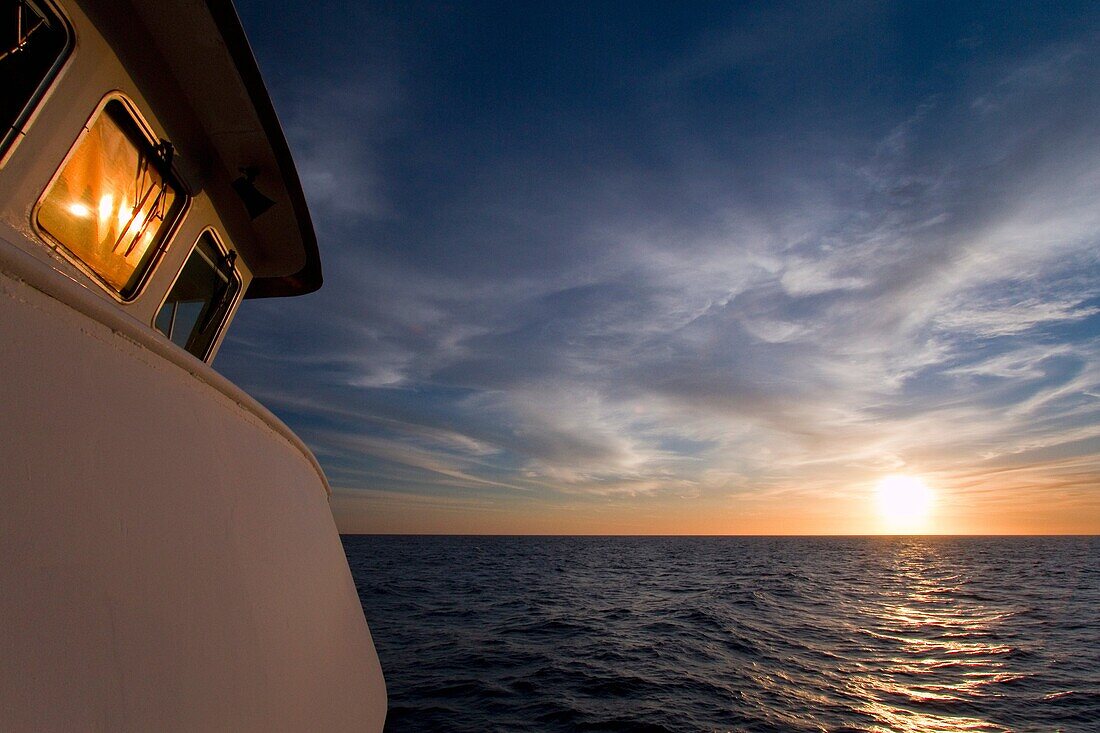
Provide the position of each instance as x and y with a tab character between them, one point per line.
745	634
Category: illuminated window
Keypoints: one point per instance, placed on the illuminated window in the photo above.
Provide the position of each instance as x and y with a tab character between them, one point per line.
34	40
202	297
114	200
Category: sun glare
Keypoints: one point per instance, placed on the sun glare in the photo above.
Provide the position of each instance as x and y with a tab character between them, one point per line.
904	503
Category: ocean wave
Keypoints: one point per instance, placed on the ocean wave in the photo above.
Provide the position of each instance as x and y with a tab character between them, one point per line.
733	634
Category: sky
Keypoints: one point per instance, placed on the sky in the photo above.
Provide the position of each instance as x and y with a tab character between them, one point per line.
689	268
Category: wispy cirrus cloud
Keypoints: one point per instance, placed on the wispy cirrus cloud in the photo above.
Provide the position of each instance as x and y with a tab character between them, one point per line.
696	270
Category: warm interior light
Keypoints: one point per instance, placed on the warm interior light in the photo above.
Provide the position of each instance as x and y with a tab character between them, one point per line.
110	202
904	503
125	211
106	208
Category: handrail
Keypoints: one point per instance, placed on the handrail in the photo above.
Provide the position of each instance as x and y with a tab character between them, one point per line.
24	267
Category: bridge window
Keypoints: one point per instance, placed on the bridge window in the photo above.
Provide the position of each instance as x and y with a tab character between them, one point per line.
34	41
202	298
114	200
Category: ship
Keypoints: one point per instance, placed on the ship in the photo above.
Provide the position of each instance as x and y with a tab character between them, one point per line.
168	556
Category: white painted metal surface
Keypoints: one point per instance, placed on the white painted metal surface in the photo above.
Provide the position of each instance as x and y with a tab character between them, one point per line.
169	558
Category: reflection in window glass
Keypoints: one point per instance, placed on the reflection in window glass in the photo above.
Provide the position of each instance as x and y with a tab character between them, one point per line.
112	203
33	40
201	298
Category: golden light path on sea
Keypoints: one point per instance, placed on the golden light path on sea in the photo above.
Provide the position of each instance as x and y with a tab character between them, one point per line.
944	648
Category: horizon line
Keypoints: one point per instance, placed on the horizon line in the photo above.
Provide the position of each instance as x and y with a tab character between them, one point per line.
765	536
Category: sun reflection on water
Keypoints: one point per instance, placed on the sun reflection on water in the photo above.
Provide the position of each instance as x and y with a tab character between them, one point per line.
936	645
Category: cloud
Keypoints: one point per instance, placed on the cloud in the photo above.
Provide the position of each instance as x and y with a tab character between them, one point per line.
731	270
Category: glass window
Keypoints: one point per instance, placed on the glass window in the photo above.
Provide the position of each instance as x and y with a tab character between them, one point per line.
114	200
34	40
202	297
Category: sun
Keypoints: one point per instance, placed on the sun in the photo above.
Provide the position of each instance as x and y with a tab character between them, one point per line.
904	503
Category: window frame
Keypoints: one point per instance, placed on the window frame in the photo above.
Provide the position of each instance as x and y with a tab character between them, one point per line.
224	250
171	228
10	139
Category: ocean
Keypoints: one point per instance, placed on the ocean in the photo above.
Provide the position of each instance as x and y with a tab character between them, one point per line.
734	633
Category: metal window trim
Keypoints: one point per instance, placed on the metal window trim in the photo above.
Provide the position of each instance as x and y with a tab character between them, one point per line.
11	138
151	139
224	249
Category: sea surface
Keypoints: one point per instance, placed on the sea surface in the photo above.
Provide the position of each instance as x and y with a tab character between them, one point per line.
734	634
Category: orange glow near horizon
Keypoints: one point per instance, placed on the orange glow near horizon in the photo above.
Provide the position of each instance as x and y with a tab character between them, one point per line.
1015	502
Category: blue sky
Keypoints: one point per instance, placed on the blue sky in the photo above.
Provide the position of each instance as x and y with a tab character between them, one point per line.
689	267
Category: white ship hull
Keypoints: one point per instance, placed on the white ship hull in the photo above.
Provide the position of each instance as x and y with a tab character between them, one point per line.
168	558
177	571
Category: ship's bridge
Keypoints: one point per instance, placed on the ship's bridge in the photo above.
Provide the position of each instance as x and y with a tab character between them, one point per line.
141	156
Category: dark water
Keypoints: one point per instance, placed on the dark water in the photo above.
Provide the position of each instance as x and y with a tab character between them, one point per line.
753	634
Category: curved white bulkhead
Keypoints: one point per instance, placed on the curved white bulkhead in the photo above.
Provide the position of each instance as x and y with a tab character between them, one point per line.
168	558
